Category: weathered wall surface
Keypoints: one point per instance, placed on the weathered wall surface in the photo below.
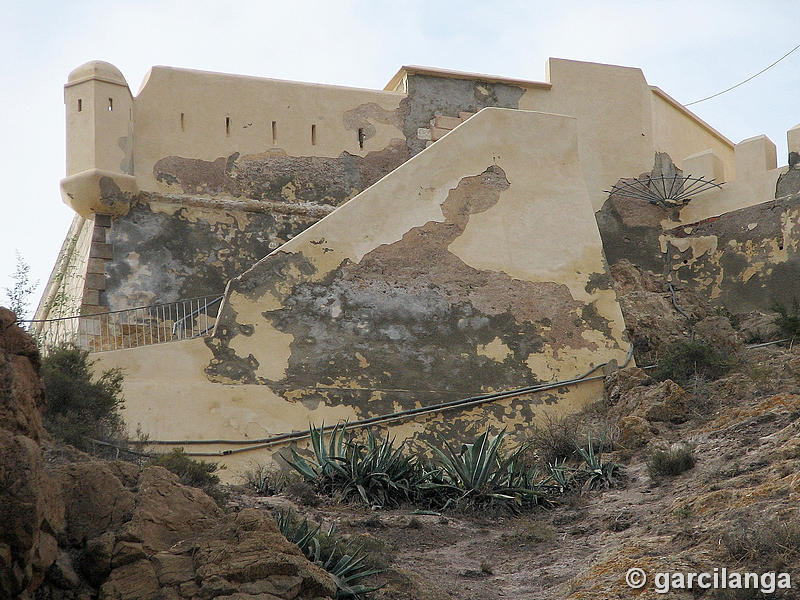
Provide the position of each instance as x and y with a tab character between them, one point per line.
745	259
490	277
209	133
171	248
203	140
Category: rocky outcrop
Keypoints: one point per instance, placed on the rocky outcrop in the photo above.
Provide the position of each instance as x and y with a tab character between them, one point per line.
84	528
31	515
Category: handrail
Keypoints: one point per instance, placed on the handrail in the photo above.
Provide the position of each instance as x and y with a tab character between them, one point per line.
127	328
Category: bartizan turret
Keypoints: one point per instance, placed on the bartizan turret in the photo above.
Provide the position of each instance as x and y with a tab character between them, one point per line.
99	108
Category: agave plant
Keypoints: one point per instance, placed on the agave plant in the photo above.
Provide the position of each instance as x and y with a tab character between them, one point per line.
599	474
562	476
478	474
378	472
346	564
328	458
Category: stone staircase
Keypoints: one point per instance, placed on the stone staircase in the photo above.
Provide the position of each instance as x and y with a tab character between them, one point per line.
440	126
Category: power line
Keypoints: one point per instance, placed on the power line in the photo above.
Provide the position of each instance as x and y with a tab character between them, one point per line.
746	80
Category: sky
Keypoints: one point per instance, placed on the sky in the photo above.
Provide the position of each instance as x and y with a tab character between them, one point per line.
690	49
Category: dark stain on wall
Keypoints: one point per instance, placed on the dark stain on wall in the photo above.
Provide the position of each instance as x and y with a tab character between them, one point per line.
409	316
161	257
629	229
365	115
754	267
276	177
429	95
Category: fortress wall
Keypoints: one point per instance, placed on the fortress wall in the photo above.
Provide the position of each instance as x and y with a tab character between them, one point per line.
743	259
215	134
444	280
169	248
612	108
746	259
681	134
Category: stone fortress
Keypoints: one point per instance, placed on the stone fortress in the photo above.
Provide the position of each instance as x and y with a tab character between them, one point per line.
351	254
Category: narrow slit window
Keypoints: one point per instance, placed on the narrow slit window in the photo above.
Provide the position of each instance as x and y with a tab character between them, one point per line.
361	137
110	104
80	105
182	123
227	125
313	135
274	132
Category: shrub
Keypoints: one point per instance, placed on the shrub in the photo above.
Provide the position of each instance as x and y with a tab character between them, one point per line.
266	480
479	476
78	408
788	319
194	473
683	361
377	472
554	440
343	559
770	542
671	462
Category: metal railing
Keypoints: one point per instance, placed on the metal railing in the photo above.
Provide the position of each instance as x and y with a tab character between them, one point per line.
129	328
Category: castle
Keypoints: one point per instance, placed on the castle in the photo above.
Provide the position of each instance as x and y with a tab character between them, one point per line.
319	253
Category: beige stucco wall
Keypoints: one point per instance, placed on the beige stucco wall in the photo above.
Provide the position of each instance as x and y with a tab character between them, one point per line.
179	404
252	104
538	234
681	134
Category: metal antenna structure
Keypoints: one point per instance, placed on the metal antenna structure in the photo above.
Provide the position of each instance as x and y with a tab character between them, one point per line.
667	190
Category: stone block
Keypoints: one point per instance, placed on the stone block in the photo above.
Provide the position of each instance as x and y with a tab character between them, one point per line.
102	220
424	133
443	122
95	281
101	250
99	234
438	133
96	265
91	297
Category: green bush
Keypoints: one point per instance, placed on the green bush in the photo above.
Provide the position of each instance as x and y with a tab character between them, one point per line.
670	462
788	319
78	408
345	560
683	361
194	473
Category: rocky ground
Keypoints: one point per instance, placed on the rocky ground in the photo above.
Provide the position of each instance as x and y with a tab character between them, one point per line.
72	526
75	527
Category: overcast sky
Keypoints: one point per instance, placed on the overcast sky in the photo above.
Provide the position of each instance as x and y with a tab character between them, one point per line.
690	49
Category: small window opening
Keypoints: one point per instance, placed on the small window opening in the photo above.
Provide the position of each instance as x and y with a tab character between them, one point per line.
110	104
182	123
227	125
274	132
361	137
313	135
80	105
